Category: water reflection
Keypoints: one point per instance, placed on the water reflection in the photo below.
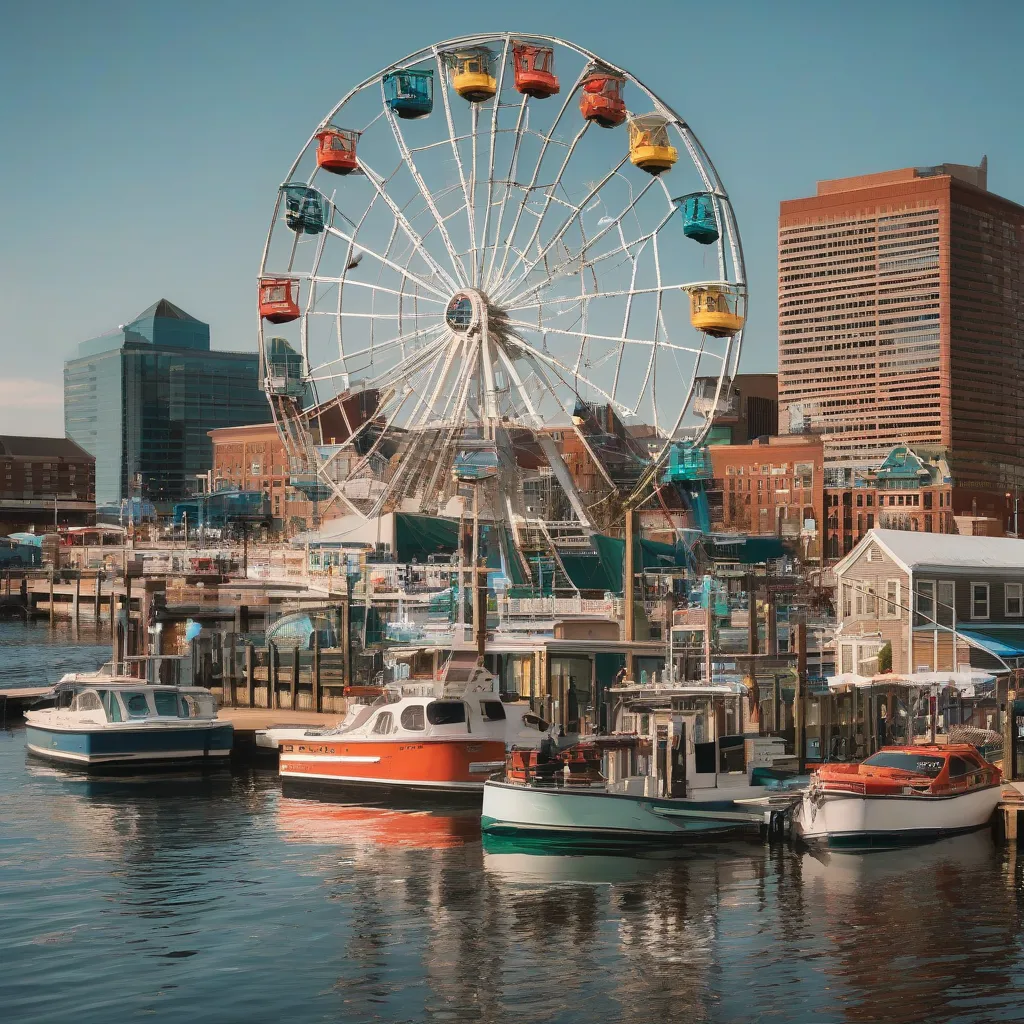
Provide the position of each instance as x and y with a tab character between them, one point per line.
236	904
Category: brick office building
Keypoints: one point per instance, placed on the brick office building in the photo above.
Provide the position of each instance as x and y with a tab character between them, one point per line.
773	486
253	458
43	479
901	318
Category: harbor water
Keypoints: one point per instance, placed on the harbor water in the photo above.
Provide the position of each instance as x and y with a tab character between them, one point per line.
212	898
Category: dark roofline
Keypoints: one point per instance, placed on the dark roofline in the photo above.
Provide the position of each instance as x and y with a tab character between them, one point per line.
18	446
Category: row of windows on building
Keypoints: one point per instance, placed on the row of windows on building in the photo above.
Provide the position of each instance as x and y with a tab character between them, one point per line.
867	499
934	601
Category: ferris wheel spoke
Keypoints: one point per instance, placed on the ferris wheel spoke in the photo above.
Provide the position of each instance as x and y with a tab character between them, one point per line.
527	191
390	263
399	340
513	165
549	198
446	102
528	268
532	353
405	366
428	199
350	282
400	218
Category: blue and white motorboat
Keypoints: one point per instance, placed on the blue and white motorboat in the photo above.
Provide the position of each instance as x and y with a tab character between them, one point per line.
107	720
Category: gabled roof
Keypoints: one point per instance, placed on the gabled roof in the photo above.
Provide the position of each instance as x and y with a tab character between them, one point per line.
164	310
914	551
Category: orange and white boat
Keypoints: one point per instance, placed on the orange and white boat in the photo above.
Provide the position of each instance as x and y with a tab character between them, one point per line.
418	742
902	794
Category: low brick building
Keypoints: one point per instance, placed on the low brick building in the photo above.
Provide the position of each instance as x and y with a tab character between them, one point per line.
253	459
773	486
43	479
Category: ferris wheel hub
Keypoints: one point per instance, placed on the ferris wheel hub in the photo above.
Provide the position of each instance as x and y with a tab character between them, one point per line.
467	309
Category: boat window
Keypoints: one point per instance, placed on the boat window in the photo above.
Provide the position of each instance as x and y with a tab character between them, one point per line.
136	705
412	718
65	698
492	710
919	764
166	702
87	701
111	705
383	724
959	767
450	712
535	722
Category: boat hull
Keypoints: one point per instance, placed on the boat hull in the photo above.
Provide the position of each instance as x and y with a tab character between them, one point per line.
390	772
852	821
561	815
166	747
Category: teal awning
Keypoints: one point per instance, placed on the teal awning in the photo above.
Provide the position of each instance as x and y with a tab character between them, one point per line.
1002	642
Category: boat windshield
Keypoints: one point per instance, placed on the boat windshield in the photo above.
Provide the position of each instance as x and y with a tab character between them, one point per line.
919	764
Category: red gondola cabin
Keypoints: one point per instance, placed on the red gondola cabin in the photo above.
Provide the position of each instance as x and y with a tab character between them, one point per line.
336	151
601	99
279	299
533	64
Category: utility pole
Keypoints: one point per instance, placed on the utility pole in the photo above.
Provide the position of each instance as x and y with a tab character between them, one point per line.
629	624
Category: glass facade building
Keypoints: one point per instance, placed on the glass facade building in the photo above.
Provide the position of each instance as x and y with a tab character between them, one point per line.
143	399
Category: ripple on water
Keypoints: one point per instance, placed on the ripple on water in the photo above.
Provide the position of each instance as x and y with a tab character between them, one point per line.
218	901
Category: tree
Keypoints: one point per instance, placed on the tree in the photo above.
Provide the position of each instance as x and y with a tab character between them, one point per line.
885	658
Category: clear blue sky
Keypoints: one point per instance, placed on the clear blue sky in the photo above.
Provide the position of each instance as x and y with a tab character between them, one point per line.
142	142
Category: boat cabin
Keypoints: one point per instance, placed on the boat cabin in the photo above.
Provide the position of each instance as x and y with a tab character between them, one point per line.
127	700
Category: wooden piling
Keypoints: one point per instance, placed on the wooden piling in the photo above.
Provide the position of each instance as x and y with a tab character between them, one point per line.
97	597
346	640
799	719
77	597
315	679
51	597
271	677
249	681
1009	753
295	679
231	655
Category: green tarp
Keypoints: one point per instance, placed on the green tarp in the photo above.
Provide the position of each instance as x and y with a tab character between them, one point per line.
416	537
751	551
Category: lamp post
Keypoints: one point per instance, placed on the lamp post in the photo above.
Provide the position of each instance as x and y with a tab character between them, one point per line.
1016	499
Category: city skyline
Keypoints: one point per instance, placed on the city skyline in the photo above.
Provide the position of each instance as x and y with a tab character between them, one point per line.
179	136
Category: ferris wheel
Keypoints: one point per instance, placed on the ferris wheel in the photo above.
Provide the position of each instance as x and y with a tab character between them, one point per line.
498	247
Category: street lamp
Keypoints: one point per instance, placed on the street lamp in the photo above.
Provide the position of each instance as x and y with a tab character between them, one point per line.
1015	500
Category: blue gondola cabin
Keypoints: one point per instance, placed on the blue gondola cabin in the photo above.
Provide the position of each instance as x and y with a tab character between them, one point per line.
601	99
409	93
533	67
336	150
303	209
700	221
